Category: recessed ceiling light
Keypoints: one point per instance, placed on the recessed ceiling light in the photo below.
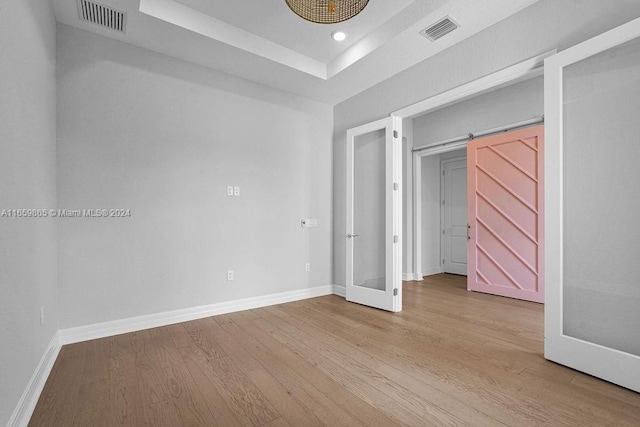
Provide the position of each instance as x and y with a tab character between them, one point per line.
338	35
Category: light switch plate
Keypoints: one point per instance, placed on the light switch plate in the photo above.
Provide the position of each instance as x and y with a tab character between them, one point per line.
236	191
229	190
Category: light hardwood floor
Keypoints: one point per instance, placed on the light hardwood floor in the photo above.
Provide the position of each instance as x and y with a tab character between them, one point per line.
450	358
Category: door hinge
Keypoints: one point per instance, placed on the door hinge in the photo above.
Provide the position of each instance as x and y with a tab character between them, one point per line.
395	133
442	202
442	262
442	173
395	186
395	292
395	239
443	231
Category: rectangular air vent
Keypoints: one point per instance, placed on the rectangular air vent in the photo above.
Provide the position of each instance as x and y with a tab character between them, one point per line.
439	29
102	15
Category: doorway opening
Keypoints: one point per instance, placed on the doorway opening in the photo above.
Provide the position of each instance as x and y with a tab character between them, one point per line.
444	212
442	224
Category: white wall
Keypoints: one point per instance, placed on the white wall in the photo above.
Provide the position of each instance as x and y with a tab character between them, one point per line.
546	25
28	260
163	138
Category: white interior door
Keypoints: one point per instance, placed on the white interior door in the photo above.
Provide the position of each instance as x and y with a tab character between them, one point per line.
374	215
454	216
592	305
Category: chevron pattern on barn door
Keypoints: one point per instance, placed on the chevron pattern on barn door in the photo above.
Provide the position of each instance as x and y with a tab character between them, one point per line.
506	214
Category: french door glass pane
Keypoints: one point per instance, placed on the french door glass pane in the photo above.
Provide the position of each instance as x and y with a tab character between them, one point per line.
369	210
601	199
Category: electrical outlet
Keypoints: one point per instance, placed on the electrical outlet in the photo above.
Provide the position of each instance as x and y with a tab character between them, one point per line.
42	315
307	267
236	191
229	190
230	275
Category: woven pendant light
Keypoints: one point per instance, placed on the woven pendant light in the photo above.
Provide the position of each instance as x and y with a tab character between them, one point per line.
326	11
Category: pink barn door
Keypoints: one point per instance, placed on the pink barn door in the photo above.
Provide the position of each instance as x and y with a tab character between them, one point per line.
506	214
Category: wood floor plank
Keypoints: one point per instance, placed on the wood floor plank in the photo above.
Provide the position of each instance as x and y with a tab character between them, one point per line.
128	343
58	401
441	345
326	396
242	391
162	413
74	350
93	404
159	332
97	368
584	407
151	381
294	398
201	336
408	380
280	422
126	407
180	336
352	382
393	381
283	400
203	382
162	353
189	403
451	357
99	346
497	404
601	388
235	387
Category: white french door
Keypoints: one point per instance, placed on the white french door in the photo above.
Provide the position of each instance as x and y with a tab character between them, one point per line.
374	215
592	304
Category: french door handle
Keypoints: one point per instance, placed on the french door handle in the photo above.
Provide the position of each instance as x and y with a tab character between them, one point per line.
352	235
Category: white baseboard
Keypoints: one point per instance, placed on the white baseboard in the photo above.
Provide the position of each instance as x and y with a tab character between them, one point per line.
431	272
340	290
132	324
409	277
27	403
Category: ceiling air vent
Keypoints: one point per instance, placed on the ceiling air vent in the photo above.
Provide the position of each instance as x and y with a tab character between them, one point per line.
439	29
102	15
